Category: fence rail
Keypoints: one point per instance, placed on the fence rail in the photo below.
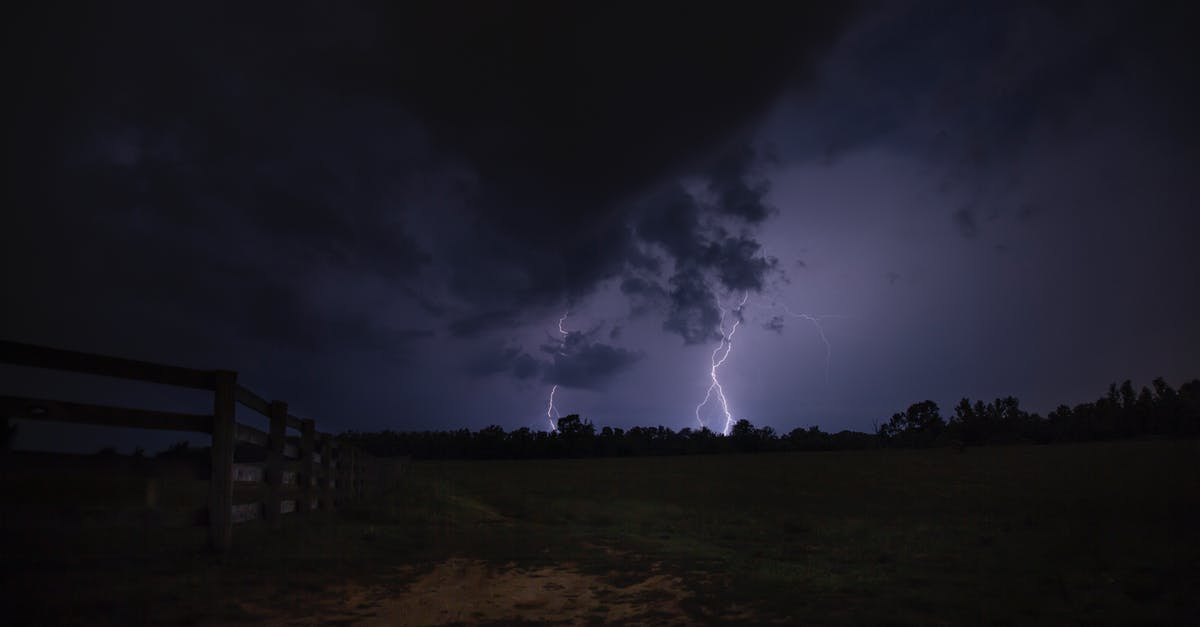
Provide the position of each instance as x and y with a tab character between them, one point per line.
301	473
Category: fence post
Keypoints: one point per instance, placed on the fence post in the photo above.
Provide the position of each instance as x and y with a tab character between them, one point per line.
220	487
275	465
361	475
326	482
351	472
306	477
339	488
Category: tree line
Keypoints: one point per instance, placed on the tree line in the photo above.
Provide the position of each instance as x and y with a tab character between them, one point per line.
1122	413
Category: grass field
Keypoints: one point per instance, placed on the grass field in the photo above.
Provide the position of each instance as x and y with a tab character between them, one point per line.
1103	533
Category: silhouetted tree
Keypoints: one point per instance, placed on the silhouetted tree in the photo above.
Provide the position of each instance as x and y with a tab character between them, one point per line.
743	436
577	436
1121	412
490	442
919	425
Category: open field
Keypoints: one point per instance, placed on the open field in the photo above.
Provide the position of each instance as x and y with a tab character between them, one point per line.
1095	533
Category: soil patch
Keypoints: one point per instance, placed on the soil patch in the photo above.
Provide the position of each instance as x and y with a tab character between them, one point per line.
472	592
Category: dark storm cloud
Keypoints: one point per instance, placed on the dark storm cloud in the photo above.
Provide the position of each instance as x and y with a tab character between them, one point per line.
579	361
481	323
202	180
694	312
964	221
329	202
582	362
525	366
644	295
775	324
1028	212
971	95
672	221
737	191
358	201
488	361
307	125
735	263
738	262
707	257
590	367
240	252
340	178
279	314
566	126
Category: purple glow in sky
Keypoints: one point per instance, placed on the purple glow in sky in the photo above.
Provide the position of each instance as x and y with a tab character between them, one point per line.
976	201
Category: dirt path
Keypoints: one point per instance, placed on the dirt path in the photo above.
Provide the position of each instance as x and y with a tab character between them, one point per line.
462	591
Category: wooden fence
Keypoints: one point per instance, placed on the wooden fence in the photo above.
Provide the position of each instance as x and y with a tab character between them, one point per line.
303	472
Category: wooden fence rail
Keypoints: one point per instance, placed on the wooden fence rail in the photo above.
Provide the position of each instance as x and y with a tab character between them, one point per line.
301	473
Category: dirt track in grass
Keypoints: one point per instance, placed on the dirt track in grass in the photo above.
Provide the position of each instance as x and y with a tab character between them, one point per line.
472	592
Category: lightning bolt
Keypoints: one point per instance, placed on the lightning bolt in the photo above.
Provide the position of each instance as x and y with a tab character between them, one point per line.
551	411
723	349
816	322
563	331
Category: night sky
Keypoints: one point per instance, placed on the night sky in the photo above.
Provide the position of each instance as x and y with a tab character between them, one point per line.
380	212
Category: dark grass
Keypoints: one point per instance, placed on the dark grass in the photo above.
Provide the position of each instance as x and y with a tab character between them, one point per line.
1105	533
1072	534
